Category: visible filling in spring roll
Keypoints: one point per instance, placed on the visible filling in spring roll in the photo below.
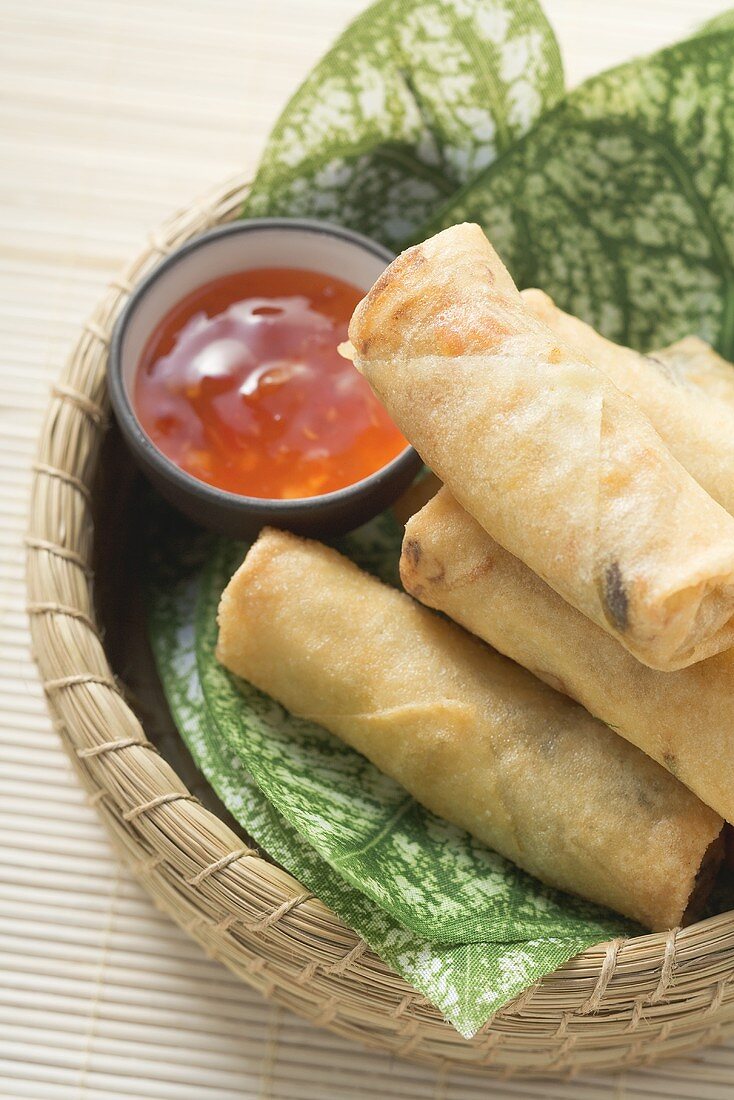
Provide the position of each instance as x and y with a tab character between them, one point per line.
697	428
546	453
469	734
684	719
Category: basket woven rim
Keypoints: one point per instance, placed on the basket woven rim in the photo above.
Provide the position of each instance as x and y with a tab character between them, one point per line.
196	867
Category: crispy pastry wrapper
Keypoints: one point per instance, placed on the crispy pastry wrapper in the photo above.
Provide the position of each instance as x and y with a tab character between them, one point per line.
695	361
697	427
469	734
684	719
545	452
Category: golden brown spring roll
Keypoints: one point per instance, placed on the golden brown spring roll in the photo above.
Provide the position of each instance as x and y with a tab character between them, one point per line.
697	428
694	360
469	734
689	361
545	452
684	719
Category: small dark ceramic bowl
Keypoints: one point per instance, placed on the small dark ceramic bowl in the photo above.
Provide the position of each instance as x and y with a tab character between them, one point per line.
271	242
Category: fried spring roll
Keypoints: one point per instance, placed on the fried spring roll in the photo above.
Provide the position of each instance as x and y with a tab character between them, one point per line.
696	361
469	734
684	719
690	360
545	452
697	428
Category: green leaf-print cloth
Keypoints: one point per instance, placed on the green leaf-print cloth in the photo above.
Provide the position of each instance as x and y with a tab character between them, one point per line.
413	99
463	926
620	201
724	21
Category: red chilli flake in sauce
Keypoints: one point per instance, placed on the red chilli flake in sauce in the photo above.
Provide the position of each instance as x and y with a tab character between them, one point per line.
241	386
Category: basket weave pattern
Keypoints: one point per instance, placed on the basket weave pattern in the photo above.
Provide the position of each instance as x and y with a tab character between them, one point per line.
618	1004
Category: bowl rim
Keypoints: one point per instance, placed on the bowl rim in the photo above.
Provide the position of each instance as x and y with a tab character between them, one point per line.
145	448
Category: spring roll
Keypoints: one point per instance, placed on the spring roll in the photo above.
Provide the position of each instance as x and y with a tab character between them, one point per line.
545	452
469	734
695	361
697	428
684	720
690	360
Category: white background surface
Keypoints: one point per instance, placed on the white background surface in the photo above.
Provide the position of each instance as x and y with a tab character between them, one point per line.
112	113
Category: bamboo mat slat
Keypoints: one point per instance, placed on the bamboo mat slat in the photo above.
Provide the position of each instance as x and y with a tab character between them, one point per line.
112	113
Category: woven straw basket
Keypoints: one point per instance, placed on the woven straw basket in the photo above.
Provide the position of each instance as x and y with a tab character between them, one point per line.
618	1004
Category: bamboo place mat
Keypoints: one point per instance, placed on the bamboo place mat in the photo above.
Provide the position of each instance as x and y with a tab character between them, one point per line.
113	112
